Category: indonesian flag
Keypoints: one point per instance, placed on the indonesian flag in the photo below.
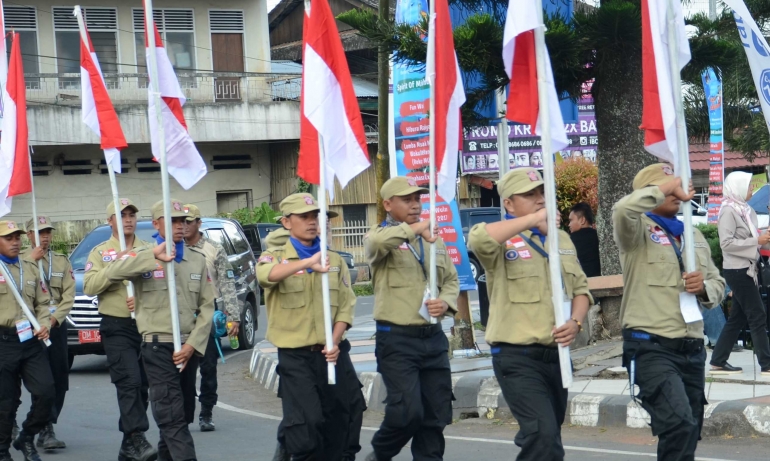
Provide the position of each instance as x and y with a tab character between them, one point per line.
328	105
521	67
184	162
658	111
443	73
98	112
15	173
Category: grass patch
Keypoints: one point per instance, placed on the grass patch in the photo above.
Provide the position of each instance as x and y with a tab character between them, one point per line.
478	326
363	289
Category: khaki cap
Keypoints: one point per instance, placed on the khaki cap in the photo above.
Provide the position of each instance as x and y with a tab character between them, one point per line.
400	186
124	203
300	204
192	212
177	209
519	181
653	175
42	223
8	228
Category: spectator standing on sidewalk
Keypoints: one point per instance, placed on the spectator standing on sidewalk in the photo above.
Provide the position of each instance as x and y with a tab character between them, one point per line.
740	240
585	238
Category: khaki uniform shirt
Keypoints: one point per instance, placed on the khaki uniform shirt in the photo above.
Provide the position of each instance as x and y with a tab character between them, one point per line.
195	294
740	250
112	294
222	275
398	279
519	286
652	278
60	281
295	316
31	291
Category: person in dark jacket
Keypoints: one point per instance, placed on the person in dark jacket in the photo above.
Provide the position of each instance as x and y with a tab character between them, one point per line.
585	239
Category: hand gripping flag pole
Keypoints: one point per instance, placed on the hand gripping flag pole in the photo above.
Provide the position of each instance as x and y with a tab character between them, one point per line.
27	312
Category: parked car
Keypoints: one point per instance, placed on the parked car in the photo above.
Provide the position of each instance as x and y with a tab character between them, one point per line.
469	217
699	214
84	318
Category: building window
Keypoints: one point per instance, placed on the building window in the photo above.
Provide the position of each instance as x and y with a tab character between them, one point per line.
102	24
23	20
231	200
355	213
177	29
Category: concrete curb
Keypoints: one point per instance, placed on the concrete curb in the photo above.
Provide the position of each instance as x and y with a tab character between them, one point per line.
478	395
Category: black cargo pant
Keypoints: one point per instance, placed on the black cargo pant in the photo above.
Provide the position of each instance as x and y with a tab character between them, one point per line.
671	389
348	415
28	361
313	426
121	342
414	365
60	369
530	380
208	363
172	397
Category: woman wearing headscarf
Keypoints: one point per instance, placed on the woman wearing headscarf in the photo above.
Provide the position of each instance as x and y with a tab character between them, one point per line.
740	241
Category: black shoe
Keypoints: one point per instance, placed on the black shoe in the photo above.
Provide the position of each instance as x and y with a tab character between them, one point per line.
725	369
47	439
5	455
127	450
26	445
206	423
144	451
15	431
280	453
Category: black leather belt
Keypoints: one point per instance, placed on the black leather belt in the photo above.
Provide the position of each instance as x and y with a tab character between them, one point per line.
313	348
414	331
535	351
687	345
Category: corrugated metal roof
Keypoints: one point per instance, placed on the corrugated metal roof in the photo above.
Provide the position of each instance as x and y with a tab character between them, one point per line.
363	88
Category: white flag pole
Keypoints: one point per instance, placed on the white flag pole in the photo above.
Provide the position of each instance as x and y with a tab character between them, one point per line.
558	297
332	375
152	69
432	172
24	308
113	181
503	153
35	224
683	154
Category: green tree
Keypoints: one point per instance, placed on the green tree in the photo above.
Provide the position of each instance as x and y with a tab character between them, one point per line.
260	214
576	181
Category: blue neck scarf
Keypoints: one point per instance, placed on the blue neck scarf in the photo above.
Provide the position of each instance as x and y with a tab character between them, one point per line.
8	260
673	226
535	231
305	252
179	246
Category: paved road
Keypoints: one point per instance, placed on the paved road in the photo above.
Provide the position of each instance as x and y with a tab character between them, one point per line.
247	418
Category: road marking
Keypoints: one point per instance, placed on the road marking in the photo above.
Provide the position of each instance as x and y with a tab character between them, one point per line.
225	406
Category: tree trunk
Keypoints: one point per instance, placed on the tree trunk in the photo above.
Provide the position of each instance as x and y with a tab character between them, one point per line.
617	94
382	161
462	327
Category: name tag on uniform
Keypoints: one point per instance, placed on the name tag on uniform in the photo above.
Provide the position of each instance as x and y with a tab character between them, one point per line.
334	269
24	329
525	254
31	282
159	274
57	274
516	242
567	252
660	238
440	252
701	245
195	276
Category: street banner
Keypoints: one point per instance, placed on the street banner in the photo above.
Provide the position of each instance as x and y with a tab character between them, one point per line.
713	88
411	99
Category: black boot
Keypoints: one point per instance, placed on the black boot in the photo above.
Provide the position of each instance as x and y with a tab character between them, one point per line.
144	450
127	450
206	419
47	439
280	453
26	445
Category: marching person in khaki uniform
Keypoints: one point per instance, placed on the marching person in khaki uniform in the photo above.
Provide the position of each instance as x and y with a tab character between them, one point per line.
223	279
521	328
120	335
172	393
22	356
663	352
290	275
61	283
412	353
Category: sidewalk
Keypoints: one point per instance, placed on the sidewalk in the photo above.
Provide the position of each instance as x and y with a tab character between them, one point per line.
739	405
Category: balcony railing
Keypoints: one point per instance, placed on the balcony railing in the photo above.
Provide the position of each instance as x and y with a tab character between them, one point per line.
209	87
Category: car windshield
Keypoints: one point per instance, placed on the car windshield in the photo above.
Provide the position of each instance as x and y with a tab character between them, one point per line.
265	229
79	257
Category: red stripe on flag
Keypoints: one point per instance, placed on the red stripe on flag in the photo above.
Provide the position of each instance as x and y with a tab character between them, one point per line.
21	181
446	76
523	104
652	117
176	108
109	125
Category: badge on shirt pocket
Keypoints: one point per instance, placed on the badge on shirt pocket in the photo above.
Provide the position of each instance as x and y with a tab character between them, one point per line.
511	255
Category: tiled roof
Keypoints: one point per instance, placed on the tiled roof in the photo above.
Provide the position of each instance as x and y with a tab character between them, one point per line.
699	159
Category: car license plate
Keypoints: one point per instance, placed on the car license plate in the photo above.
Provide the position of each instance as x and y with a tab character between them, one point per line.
89	336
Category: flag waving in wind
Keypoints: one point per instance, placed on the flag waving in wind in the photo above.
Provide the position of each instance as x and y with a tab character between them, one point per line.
98	112
184	162
443	73
659	109
521	67
328	106
15	175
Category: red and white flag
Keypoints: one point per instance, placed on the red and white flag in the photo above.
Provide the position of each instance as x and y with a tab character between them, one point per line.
185	164
658	110
98	112
521	67
443	73
15	174
328	105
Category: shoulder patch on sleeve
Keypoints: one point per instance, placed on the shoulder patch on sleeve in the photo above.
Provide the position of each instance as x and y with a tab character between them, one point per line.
265	259
89	265
230	274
